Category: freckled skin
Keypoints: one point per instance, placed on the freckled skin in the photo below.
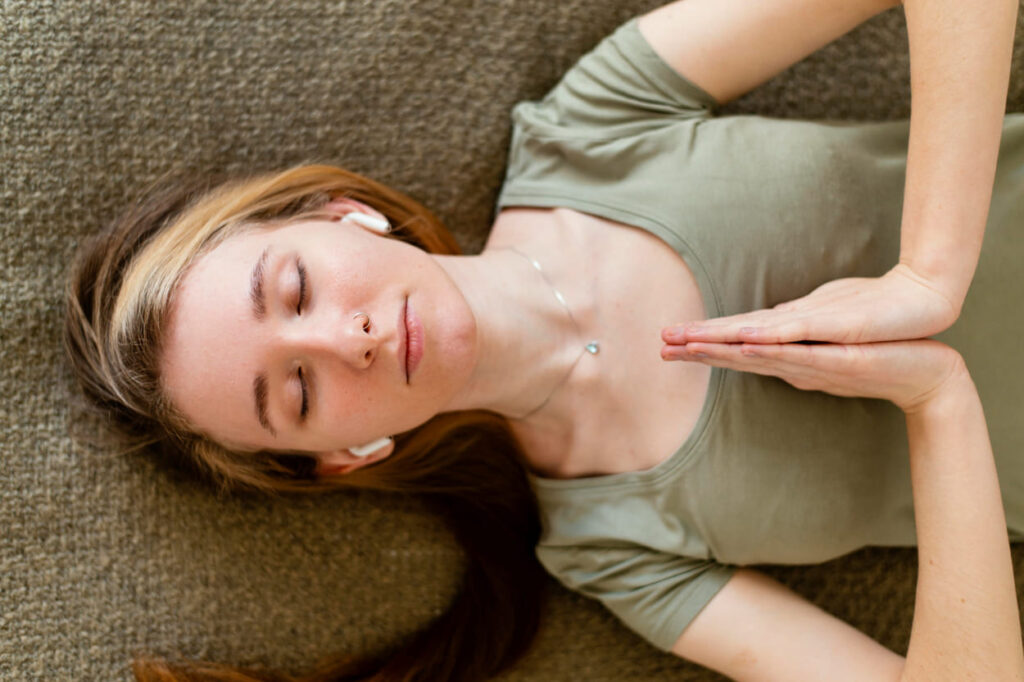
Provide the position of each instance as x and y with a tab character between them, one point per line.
215	346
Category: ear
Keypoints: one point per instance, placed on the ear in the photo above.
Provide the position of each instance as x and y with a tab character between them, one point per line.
342	206
340	462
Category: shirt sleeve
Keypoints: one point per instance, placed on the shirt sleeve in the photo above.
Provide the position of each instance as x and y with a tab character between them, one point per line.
655	594
619	84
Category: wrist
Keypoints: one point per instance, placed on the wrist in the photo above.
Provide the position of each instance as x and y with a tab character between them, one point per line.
944	286
947	396
938	280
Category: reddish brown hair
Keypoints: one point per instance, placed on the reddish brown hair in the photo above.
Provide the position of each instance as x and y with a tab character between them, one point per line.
466	465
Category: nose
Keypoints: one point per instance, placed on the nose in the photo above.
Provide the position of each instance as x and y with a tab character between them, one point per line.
352	337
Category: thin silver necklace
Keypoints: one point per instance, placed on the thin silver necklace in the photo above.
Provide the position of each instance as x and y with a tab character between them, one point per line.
591	347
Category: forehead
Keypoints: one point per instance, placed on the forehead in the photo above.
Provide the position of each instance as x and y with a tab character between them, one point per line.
223	273
209	355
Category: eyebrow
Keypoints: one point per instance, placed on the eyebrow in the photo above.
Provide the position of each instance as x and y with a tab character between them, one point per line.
259	310
259	389
259	302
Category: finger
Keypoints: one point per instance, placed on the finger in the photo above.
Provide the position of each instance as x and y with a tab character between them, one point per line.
835	368
828	324
825	325
762	327
744	358
716	354
804	366
801	355
719	329
780	357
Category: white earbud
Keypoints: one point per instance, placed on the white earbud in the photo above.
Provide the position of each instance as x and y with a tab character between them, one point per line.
364	450
374	223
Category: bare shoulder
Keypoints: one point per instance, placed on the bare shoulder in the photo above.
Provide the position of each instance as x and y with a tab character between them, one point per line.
728	47
756	628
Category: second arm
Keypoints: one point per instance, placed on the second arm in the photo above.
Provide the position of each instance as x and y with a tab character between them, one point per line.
966	622
959	73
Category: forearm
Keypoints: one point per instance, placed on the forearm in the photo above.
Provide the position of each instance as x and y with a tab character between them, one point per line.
966	622
959	72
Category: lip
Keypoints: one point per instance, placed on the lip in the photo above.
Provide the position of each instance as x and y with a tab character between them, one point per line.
403	336
413	340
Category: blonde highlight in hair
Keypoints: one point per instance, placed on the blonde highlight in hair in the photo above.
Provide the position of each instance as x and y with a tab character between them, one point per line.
467	465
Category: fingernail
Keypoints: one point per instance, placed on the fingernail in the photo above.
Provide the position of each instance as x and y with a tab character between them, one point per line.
694	329
699	355
672	334
748	330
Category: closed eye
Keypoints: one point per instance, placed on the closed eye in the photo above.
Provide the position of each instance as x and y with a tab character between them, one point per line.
302	286
304	410
305	398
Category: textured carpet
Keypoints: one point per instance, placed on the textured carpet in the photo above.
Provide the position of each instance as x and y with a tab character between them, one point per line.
102	555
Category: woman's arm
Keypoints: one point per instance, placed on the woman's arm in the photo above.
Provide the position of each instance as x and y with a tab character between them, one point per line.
729	47
959	72
966	621
959	61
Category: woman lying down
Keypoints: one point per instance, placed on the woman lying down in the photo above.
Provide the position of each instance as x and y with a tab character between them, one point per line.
692	343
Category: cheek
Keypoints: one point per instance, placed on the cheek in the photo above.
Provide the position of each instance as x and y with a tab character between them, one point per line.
356	270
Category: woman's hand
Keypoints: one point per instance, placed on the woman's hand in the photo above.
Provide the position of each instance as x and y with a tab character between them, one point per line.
909	373
898	305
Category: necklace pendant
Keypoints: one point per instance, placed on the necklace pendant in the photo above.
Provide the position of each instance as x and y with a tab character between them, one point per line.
592	348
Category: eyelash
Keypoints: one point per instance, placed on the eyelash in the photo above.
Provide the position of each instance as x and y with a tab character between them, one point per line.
298	309
305	398
302	285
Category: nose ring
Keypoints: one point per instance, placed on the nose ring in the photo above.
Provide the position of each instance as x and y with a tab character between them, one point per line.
366	325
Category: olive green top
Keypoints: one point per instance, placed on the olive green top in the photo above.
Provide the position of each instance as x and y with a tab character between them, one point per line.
762	211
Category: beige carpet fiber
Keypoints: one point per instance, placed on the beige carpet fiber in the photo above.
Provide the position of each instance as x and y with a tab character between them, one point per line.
100	556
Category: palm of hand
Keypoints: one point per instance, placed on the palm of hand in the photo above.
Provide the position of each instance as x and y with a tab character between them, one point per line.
897	306
873	329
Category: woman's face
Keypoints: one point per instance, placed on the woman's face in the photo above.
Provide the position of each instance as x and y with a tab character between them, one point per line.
218	344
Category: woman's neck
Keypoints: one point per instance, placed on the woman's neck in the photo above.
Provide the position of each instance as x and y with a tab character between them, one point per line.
527	343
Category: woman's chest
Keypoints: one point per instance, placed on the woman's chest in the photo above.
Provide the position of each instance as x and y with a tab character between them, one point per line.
630	409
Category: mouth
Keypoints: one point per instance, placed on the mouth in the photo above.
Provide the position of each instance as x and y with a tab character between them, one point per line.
403	338
414	338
